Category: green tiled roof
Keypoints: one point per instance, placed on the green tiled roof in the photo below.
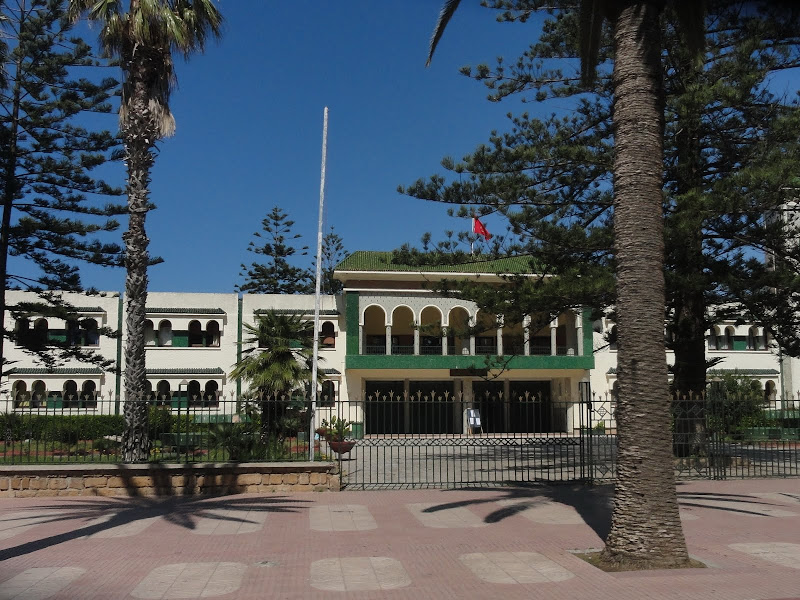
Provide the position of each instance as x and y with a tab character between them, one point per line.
743	372
186	311
297	311
186	371
752	372
57	371
330	372
365	260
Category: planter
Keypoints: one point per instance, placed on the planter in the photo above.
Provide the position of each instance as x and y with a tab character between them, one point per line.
342	447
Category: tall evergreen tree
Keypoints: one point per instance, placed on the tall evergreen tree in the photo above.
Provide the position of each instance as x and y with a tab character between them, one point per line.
333	253
276	275
52	205
144	38
730	147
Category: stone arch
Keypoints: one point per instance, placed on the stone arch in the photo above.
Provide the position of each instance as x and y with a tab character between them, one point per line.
70	390
486	325
195	334
165	333
458	330
40	332
89	391
430	321
210	392
374	329
163	391
730	334
194	391
328	335
403	326
212	334
149	333
91	336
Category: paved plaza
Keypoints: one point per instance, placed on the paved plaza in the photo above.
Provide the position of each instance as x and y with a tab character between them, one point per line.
515	542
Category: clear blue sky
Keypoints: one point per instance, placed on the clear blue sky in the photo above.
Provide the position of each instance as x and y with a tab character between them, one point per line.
249	130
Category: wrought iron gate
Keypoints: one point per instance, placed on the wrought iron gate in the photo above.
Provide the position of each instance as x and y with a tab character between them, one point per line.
430	441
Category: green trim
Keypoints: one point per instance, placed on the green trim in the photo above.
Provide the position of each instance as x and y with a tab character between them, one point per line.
239	347
56	371
588	340
119	355
351	318
467	362
740	343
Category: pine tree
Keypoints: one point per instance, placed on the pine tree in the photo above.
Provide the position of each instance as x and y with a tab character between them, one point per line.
333	253
53	207
730	149
276	275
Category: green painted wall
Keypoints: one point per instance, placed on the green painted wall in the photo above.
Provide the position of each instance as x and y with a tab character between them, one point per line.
740	342
354	361
351	315
588	341
180	339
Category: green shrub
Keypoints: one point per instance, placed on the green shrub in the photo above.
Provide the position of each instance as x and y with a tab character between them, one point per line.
68	429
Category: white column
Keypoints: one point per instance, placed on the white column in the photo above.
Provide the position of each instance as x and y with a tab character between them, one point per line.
388	340
444	341
579	331
526	335
416	340
500	323
360	338
553	343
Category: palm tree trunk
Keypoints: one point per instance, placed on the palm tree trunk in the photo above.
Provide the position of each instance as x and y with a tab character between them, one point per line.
646	529
139	134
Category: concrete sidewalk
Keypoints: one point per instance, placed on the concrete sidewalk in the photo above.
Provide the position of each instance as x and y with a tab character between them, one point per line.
482	543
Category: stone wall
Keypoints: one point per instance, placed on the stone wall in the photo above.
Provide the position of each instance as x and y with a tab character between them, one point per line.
20	481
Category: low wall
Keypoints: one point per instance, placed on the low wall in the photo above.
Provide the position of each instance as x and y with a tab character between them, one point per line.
20	481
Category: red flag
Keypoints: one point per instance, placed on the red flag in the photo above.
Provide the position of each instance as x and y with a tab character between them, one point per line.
480	229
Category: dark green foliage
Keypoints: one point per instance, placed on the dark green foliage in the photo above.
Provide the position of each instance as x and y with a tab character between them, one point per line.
333	253
54	211
67	429
731	147
276	275
736	403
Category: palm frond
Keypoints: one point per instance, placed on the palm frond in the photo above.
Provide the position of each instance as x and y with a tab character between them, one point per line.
448	10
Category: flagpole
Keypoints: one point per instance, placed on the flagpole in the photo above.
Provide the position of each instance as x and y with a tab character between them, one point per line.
317	286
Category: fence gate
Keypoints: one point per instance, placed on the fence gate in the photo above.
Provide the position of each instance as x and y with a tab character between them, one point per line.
438	441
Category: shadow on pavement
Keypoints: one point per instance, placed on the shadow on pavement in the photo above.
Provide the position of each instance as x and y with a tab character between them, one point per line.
181	511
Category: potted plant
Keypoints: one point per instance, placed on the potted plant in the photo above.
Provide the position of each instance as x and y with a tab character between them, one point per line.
335	433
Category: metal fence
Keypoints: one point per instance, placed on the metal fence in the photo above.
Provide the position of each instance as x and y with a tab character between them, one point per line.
213	429
431	439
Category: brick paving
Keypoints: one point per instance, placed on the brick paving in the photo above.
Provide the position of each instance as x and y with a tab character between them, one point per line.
515	542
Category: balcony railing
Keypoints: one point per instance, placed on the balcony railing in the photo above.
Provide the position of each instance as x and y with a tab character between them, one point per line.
375	349
430	350
402	349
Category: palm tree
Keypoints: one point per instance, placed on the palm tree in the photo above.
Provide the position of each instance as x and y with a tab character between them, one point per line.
646	529
276	361
143	39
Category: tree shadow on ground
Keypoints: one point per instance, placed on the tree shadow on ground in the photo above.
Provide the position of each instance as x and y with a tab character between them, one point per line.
749	504
594	504
102	514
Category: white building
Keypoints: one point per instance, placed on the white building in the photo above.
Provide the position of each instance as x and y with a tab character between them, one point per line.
386	335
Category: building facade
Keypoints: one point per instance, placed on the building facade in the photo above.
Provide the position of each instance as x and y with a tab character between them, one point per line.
388	343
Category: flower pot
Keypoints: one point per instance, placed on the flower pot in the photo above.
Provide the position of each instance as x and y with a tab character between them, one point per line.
342	447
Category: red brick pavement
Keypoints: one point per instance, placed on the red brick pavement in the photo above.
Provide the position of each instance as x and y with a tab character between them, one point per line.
279	557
